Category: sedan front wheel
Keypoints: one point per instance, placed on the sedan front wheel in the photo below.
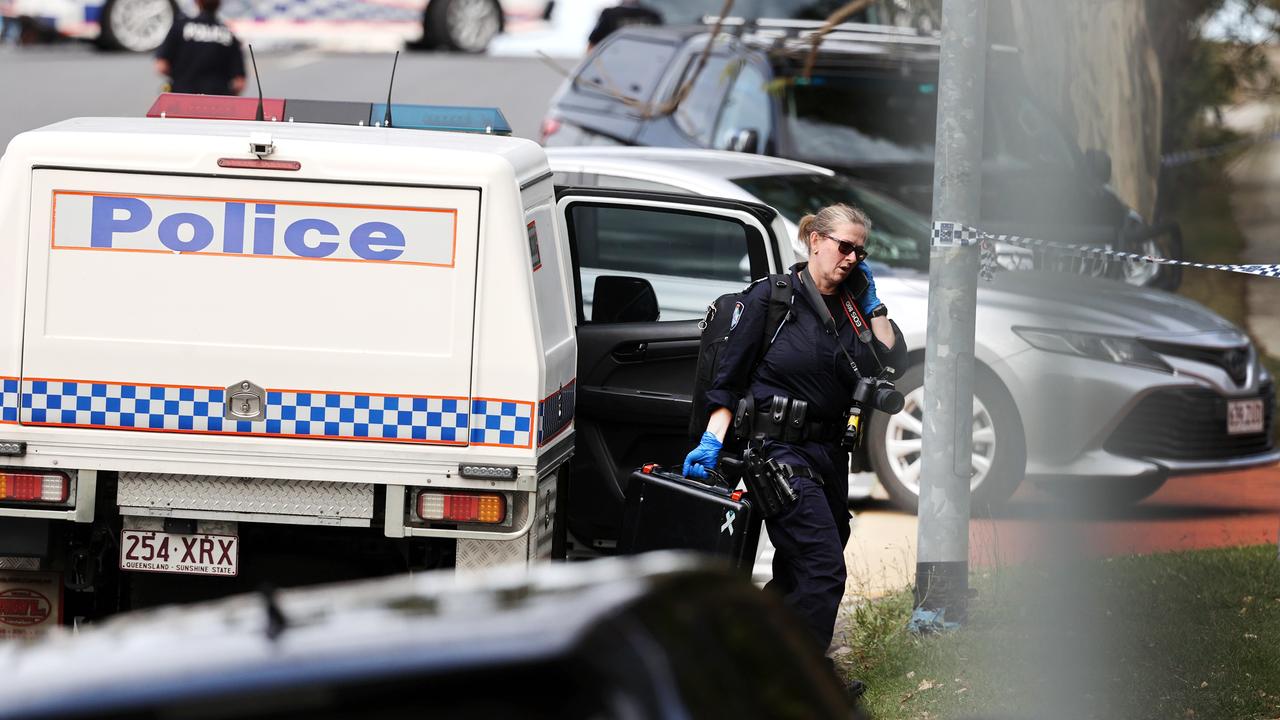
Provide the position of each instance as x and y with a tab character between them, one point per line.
998	459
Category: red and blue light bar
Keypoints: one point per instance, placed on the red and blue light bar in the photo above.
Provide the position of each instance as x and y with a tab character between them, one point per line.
489	121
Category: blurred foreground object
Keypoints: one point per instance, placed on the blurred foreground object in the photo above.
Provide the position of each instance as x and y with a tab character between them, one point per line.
659	635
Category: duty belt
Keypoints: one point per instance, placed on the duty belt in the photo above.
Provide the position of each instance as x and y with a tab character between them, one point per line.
784	419
796	432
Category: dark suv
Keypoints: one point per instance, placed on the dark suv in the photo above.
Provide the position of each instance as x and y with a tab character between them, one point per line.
868	109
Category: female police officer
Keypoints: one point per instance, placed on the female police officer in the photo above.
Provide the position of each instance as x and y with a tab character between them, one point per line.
805	362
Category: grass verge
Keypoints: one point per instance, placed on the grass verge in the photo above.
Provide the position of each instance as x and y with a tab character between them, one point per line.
1182	635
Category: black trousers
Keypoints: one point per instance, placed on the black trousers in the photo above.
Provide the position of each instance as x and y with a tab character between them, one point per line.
810	536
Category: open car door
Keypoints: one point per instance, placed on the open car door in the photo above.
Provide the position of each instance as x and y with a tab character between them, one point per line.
645	267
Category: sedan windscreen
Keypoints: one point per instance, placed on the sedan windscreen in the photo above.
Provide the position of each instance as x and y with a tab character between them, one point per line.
862	119
899	235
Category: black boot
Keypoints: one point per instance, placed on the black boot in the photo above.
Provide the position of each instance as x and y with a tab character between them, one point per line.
853	687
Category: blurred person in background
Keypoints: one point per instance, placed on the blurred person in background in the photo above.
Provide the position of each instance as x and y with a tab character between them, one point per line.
201	55
627	12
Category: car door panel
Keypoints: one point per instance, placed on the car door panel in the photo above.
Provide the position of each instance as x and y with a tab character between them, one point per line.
653	358
635	379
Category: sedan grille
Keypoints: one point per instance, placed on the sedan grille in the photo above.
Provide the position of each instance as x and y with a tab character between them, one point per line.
1235	361
1189	424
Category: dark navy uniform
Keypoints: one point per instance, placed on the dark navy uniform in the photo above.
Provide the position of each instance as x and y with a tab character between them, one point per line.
203	56
804	362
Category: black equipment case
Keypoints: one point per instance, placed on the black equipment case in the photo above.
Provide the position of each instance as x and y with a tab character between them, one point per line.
667	511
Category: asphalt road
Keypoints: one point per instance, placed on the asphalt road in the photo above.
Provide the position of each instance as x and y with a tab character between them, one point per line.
43	85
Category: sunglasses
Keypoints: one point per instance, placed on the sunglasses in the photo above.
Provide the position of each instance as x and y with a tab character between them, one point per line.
846	248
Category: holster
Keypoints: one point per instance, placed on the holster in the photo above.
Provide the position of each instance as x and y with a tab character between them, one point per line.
767	484
744	419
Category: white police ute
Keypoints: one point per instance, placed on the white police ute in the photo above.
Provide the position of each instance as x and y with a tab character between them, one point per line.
314	346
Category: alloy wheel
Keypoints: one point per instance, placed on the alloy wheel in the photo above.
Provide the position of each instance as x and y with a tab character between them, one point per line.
473	23
140	25
905	433
1141	272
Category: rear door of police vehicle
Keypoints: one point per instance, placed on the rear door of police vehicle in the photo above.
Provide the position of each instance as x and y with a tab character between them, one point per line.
646	266
148	294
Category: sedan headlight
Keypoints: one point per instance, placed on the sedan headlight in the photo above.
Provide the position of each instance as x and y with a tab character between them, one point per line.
1108	348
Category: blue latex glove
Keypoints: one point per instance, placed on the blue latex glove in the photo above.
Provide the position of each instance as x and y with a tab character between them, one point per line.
703	457
869	300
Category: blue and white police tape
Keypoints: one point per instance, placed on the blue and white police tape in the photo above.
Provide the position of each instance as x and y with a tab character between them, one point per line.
950	234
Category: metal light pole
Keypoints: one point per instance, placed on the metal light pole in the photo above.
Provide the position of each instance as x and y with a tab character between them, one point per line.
942	565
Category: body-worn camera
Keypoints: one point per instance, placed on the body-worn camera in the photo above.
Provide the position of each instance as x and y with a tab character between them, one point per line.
871	393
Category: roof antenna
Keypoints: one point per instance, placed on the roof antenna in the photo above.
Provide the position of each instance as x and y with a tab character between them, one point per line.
386	117
257	81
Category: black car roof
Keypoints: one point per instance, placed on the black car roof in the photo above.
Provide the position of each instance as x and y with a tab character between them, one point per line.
421	626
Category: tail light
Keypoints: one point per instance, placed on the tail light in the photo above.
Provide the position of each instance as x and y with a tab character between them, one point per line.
214	107
488	508
550	126
42	487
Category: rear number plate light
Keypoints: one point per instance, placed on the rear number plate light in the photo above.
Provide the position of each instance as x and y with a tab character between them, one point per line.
38	487
488	508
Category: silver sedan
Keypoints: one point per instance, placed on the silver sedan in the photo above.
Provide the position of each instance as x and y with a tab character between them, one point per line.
1084	386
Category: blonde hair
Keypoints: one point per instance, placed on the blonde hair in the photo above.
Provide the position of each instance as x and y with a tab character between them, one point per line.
824	221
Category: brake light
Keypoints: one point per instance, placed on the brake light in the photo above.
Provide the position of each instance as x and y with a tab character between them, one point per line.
550	126
34	487
215	107
259	164
490	508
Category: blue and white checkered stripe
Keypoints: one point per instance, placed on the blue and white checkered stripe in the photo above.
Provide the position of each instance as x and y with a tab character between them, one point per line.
46	402
947	234
379	417
9	398
348	10
288	413
501	422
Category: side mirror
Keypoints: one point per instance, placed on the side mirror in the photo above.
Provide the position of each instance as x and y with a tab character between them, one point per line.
746	141
623	299
1098	164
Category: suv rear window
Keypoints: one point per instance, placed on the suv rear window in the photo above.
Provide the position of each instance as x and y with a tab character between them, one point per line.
869	118
626	66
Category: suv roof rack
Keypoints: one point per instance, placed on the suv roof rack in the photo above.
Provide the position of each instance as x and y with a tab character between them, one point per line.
787	29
